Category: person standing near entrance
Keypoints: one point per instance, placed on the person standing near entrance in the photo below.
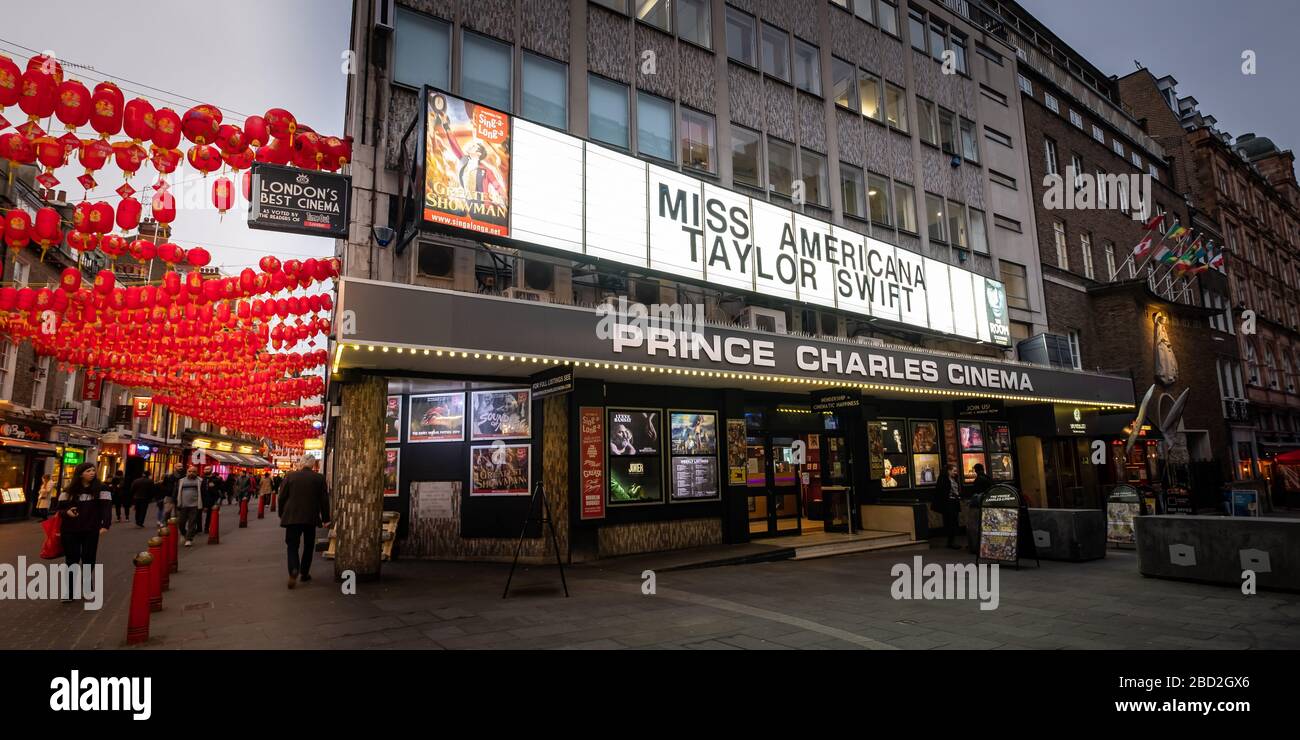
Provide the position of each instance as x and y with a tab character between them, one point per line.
45	496
947	499
304	504
167	501
978	487
189	497
86	507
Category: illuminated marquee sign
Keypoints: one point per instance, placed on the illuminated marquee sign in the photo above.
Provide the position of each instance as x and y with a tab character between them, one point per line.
524	181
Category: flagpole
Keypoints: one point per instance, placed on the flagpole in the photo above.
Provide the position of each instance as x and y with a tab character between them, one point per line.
1155	248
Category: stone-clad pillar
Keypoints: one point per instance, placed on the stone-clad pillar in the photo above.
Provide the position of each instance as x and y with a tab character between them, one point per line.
357	497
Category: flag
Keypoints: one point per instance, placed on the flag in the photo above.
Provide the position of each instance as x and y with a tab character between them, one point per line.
1175	231
1166	255
1217	260
1154	223
1143	248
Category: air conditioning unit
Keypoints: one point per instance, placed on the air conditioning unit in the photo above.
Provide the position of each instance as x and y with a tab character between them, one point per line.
524	294
385	13
766	319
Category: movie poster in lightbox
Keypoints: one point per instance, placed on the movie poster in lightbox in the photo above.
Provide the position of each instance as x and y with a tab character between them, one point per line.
633	432
467	165
392	467
501	414
393	420
436	417
693	433
500	470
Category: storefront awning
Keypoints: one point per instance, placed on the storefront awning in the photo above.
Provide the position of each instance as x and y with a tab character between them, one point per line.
26	444
225	458
490	335
254	461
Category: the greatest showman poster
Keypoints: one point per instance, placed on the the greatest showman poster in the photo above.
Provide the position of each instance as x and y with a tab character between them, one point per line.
467	165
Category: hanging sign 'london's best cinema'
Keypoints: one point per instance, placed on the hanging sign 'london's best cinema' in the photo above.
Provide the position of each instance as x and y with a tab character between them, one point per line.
503	176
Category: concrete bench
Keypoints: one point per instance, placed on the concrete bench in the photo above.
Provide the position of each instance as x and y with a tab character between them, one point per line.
1216	549
1069	534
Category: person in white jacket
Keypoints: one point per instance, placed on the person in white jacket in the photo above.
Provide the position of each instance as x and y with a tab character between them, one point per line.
44	496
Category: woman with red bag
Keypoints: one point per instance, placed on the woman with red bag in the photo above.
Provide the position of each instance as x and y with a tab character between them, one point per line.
85	512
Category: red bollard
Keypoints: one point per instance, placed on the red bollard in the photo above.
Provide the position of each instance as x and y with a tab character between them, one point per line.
156	568
137	623
174	557
243	512
165	572
214	526
261	507
273	502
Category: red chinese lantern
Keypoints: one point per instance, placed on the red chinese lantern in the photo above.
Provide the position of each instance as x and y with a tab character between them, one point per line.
171	284
106	114
128	214
11	88
47	229
246	183
83	241
200	124
72	104
231	139
94	154
307	153
49	152
17	229
143	250
239	160
100	218
38	98
256	133
170	253
48	65
16	148
167	128
113	245
223	194
138	120
70	280
337	152
104	282
198	257
281	123
129	157
164	207
204	158
165	160
277	152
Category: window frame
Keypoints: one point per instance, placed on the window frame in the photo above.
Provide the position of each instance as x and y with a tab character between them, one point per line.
682	112
545	60
673	137
627	102
732	12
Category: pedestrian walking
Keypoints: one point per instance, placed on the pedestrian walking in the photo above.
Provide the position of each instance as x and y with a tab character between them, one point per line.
167	496
946	498
304	504
211	497
121	497
86	507
45	496
143	493
189	497
264	488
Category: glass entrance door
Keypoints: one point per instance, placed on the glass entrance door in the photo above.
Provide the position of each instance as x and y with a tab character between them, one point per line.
772	479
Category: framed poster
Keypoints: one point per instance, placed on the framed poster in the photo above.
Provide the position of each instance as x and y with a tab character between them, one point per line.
591	463
890	445
968	462
467	165
500	470
924	438
694	478
1000	466
693	432
971	435
1119	521
925	470
393	420
392	469
633	432
999	534
999	437
736	452
436	417
1245	502
501	414
634	480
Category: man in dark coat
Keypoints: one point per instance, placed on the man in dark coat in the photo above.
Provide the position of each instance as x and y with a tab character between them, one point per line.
946	500
304	504
142	494
978	487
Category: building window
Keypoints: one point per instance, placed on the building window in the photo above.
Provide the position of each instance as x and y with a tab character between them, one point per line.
1062	255
746	157
869	96
813	171
970	149
916	29
1118	146
851	187
694	22
997	137
927	121
8	358
741	29
656	13
934	217
1085	246
546	93
887	16
1076	119
1076	163
485	70
421	50
698	141
896	107
776	52
807	67
1098	134
1076	353
1049	148
607	111
1102	197
957	224
878	196
957	45
1110	260
1005	180
979	236
862	9
1050	100
947	131
1025	85
780	166
654	127
1136	160
938	36
40	382
843	84
904	208
1016	281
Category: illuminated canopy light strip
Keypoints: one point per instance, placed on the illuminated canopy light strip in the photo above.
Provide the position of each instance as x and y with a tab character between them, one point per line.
720	374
